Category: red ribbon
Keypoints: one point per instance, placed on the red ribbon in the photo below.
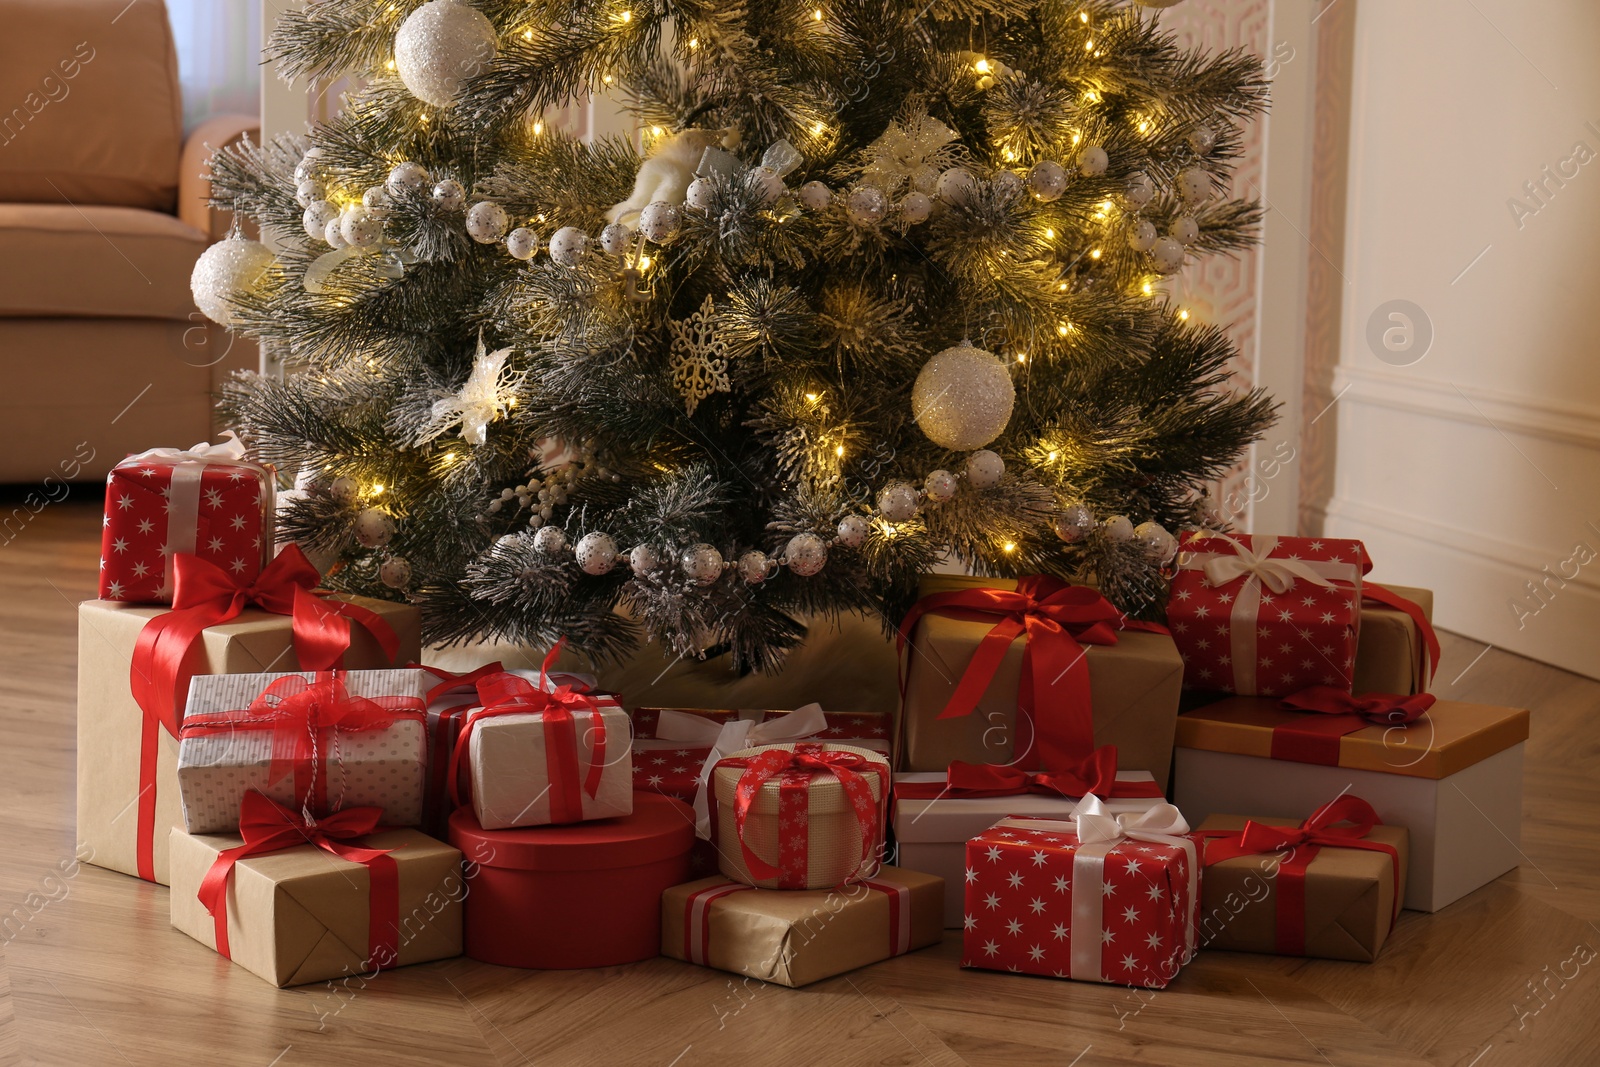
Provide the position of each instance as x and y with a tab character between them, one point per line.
1055	619
206	595
1430	640
510	694
444	725
1097	774
795	768
1315	738
1321	829
268	826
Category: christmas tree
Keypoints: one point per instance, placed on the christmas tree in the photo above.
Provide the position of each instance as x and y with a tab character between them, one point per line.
879	285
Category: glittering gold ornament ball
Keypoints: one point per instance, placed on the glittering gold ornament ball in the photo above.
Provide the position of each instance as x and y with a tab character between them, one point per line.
225	270
962	398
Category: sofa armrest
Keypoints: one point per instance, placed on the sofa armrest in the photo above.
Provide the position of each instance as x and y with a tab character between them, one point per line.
194	187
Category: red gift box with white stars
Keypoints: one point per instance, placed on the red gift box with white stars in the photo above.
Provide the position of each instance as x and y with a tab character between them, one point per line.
1041	901
1266	616
164	502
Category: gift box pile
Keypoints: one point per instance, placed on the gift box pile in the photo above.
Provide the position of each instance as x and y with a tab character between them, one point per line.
319	809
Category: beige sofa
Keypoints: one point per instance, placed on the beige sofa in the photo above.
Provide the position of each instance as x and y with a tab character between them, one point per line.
102	215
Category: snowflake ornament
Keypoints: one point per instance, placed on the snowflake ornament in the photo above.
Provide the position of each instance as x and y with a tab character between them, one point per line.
699	356
486	396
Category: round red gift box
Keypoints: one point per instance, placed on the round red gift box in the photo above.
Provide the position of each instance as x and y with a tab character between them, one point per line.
586	894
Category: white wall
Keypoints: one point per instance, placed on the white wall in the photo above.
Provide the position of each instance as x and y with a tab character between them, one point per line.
1476	469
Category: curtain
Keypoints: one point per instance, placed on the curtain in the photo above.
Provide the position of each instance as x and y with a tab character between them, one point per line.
219	56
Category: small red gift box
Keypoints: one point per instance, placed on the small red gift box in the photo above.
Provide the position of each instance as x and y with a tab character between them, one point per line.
208	501
583	895
1266	615
1102	898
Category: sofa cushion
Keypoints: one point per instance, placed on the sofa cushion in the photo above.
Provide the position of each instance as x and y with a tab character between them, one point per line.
59	260
90	111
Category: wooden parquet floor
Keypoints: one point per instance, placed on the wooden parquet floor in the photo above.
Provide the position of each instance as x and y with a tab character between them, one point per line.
91	972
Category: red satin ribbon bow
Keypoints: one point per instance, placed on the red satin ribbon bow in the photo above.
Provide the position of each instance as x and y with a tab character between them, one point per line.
1097	774
450	681
268	826
206	595
510	694
794	769
306	719
1343	823
1315	738
1056	619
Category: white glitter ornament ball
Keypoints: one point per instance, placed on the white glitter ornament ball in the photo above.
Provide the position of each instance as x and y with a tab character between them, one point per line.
1119	528
1142	237
962	397
358	228
567	245
866	206
309	190
374	528
815	196
1167	254
853	530
769	183
985	468
522	243
596	553
1008	182
615	238
450	194
643	560
806	554
1184	230
956	185
1092	160
440	45
1158	544
1047	180
405	177
916	207
318	214
1202	139
550	540
660	221
940	486
307	167
344	490
334	235
753	567
487	222
699	194
225	270
1194	183
702	563
1073	523
395	572
897	502
1139	190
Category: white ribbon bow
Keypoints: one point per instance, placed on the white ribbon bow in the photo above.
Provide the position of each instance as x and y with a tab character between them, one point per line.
1278	575
1099	833
728	737
229	450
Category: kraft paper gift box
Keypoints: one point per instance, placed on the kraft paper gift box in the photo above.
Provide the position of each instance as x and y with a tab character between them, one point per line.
1393	652
530	768
1347	896
302	915
796	937
1452	779
1135	687
932	827
208	500
814	814
226	745
1089	899
112	730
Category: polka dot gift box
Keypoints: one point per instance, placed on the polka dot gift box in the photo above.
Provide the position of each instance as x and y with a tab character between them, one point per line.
208	501
1264	615
1099	898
